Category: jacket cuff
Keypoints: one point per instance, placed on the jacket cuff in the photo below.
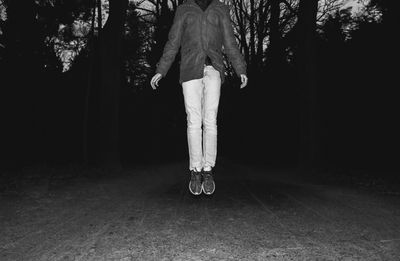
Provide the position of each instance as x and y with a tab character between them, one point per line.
241	71
158	70
162	74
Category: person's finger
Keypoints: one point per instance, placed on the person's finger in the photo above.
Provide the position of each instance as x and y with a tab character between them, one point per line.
157	79
153	85
243	81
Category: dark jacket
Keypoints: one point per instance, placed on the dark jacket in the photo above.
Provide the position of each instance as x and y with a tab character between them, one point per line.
200	33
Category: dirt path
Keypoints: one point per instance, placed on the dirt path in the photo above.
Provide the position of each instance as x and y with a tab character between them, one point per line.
148	214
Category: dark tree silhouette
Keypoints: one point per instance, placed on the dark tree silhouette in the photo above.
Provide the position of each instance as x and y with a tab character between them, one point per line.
106	91
307	73
22	118
275	55
44	107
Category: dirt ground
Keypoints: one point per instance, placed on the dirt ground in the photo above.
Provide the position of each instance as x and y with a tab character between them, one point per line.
148	214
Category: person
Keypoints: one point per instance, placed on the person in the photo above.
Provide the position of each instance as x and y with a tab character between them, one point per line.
201	28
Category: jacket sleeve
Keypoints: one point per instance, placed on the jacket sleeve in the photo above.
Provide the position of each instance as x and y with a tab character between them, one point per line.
230	44
172	46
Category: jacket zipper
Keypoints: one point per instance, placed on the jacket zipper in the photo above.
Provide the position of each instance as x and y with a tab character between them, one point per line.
203	23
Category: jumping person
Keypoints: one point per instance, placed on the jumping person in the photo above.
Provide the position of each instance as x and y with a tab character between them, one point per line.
201	28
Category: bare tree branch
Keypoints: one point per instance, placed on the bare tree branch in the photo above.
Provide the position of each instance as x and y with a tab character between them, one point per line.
147	10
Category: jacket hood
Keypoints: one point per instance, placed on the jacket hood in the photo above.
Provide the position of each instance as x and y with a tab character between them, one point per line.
193	2
203	3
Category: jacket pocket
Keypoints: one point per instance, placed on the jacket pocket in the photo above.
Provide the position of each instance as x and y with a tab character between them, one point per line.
185	55
186	51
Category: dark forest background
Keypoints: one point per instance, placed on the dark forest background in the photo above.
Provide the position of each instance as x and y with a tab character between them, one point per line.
321	95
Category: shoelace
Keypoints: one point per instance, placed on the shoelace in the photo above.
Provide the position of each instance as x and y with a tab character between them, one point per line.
207	175
196	175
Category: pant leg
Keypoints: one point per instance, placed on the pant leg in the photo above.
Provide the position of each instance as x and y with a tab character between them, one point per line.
192	93
212	90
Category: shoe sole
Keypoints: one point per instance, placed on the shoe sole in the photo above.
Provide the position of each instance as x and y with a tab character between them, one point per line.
194	193
207	193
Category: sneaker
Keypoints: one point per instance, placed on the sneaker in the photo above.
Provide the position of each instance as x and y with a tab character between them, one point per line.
195	182
208	185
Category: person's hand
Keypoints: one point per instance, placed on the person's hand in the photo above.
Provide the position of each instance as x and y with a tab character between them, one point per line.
244	80
154	80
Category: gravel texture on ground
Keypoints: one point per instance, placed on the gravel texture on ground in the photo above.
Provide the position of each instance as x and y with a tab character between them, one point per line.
149	214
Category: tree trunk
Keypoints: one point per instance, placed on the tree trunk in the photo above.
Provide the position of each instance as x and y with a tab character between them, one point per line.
307	73
99	15
160	98
275	47
89	86
23	88
110	80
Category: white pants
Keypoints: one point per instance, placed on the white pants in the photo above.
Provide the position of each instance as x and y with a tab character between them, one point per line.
201	104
